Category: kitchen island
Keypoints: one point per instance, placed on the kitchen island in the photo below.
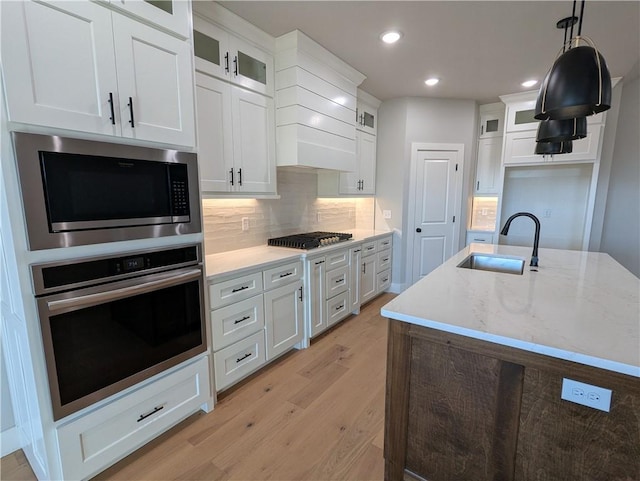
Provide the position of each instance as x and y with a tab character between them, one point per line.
477	361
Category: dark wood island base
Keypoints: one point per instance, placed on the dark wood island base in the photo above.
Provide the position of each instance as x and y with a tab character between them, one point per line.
462	409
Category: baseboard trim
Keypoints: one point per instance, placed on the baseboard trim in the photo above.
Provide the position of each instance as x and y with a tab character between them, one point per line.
9	441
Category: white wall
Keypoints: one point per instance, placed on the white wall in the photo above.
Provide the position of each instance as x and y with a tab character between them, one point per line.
621	226
416	119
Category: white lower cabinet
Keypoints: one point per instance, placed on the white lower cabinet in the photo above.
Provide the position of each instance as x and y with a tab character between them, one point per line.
479	237
329	278
239	359
375	271
354	278
255	317
92	442
284	315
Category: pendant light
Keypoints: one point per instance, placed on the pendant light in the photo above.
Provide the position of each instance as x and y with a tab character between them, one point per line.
578	84
566	129
554	148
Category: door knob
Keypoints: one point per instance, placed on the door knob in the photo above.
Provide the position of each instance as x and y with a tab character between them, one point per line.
418	229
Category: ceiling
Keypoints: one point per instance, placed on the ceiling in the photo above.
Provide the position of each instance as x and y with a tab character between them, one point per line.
479	49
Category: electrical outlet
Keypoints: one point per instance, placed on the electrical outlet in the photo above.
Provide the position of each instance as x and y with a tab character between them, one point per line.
591	396
546	213
245	224
386	214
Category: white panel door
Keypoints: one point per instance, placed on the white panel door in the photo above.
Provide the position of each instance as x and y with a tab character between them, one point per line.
253	141
59	66
284	318
435	223
215	140
155	82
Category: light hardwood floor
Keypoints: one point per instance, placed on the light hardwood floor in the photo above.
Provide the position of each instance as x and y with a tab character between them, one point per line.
315	414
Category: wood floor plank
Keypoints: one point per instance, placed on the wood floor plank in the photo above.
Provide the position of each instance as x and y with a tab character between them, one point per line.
316	413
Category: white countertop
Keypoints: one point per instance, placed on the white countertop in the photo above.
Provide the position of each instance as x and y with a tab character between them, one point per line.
579	306
259	257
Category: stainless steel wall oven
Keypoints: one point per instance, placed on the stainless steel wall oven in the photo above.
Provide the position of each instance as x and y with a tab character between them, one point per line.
110	322
78	192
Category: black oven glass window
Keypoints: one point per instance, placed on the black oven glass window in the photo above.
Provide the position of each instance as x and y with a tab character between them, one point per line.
91	188
101	345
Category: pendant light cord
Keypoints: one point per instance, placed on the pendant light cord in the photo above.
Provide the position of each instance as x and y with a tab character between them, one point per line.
581	15
573	14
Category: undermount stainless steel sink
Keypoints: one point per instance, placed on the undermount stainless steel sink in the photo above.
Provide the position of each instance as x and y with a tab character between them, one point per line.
488	262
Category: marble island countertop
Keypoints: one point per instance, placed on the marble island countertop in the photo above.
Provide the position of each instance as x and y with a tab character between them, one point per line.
579	306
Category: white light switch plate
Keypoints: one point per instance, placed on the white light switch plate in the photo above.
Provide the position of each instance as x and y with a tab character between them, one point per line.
386	214
591	396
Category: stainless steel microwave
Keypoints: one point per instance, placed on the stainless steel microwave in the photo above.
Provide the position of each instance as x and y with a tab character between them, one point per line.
78	192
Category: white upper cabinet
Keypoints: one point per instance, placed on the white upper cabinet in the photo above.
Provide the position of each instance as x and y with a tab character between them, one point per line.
227	56
491	120
80	66
172	15
367	113
236	150
488	166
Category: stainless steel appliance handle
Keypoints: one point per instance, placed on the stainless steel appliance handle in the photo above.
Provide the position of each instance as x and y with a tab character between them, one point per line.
115	294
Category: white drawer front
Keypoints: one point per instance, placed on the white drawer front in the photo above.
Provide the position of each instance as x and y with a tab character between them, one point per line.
483	237
234	290
384	243
282	275
384	260
383	281
338	308
369	248
337	281
236	361
98	439
337	259
237	321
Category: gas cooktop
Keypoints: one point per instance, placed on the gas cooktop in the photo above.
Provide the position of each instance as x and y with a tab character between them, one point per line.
309	240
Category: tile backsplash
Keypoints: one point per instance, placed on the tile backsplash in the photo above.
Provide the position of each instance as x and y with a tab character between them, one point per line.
297	210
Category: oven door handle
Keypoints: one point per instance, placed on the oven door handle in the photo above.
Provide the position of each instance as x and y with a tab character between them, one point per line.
123	292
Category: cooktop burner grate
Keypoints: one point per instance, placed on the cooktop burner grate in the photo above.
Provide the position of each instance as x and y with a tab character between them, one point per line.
309	240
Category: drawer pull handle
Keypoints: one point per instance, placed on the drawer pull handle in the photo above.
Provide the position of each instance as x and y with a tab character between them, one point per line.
243	357
145	416
240	289
386	259
319	262
339	307
385	280
370	248
357	250
238	321
339	280
285	274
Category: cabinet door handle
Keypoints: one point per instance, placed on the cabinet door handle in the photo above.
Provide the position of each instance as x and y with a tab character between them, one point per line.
300	293
239	176
130	104
243	357
231	172
364	267
285	274
478	185
235	65
238	321
482	129
145	416
240	289
226	62
113	115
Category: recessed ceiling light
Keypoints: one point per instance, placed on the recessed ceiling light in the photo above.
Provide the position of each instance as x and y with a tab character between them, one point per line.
390	36
432	81
529	83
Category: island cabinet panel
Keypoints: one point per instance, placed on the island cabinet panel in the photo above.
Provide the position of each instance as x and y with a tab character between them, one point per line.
465	409
564	440
461	409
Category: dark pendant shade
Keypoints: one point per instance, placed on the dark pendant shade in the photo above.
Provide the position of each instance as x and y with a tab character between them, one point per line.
551	148
578	85
560	130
